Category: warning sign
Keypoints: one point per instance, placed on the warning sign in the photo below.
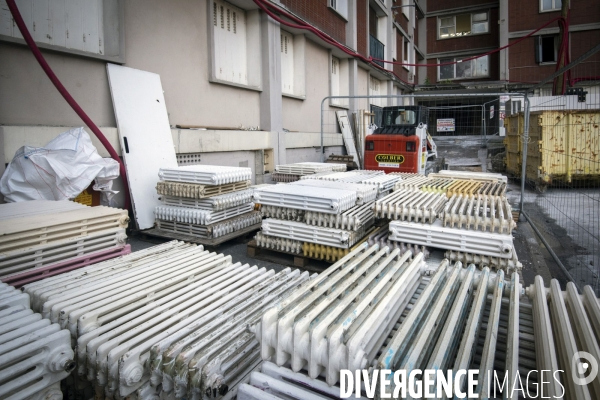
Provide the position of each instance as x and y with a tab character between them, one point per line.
389	160
445	125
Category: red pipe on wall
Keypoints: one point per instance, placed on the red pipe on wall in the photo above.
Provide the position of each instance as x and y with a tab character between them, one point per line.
66	95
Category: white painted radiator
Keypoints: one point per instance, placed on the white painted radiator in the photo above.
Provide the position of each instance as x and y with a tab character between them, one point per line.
121	310
196	191
381	237
435	235
198	216
34	230
367	289
330	201
384	183
506	264
312	234
469	175
274	382
205	174
309	168
353	219
410	205
214	203
364	193
34	354
480	213
355	176
277	243
22	259
214	230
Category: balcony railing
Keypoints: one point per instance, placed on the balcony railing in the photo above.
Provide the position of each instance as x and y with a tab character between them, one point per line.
376	50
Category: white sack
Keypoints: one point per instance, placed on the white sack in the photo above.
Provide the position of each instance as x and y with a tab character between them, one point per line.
58	171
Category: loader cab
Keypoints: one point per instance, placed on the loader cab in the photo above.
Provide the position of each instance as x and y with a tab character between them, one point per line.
400	143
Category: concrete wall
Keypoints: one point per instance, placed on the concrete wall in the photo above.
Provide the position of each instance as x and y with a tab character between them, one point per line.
169	39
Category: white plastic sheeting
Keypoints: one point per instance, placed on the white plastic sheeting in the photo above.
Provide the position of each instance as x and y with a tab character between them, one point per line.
61	170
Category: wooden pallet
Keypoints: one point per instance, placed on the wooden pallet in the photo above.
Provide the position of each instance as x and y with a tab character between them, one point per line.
198	240
285	258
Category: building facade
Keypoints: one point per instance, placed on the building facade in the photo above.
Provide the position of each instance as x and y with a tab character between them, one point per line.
229	66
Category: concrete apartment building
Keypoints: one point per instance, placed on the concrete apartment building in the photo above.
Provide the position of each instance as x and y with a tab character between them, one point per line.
226	64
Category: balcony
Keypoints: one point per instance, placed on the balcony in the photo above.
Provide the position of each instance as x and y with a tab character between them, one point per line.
376	50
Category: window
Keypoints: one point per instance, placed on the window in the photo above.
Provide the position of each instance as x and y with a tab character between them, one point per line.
339	81
477	68
550	5
405	56
546	49
235	35
340	6
463	24
86	27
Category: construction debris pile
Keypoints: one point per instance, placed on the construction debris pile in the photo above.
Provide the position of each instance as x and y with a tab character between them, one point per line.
35	354
372	310
321	216
169	320
204	201
293	172
465	214
42	238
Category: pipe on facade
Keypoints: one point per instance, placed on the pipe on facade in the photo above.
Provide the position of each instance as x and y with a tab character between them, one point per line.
67	96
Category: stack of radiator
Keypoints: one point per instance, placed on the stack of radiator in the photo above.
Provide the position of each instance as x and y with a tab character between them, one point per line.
464	213
205	201
371	310
293	172
35	354
320	219
384	183
42	238
170	319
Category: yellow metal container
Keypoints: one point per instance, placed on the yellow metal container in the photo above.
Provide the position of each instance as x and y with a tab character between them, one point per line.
563	146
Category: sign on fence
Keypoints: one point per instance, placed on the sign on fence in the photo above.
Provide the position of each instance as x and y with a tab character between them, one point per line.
445	125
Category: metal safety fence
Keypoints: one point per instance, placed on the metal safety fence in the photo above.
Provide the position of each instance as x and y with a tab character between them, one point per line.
548	146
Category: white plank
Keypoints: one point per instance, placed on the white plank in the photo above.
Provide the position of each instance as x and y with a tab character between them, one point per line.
143	125
346	129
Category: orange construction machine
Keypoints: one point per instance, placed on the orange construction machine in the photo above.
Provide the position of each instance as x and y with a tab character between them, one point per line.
401	143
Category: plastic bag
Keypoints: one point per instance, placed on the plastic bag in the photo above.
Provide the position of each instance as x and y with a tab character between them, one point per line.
61	170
